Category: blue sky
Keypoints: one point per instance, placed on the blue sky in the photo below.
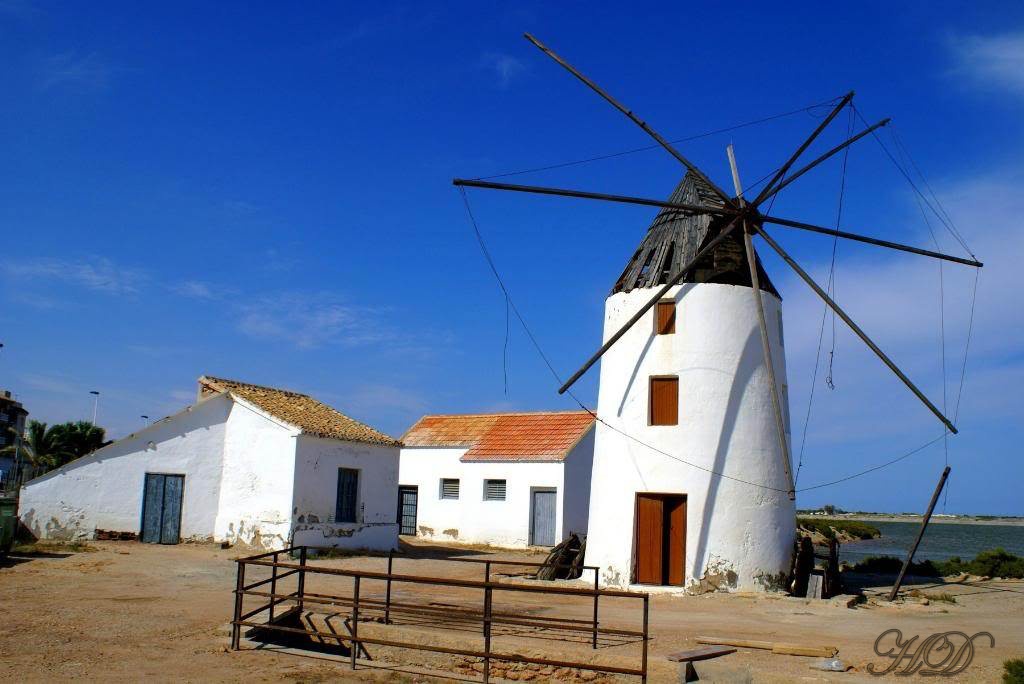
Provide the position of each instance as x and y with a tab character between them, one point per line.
263	192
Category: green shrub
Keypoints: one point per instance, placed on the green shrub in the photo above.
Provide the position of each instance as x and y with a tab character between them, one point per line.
991	563
854	528
1013	671
890	565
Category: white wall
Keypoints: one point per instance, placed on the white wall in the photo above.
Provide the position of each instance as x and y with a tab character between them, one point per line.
257	478
579	464
104	489
316	494
470	519
726	424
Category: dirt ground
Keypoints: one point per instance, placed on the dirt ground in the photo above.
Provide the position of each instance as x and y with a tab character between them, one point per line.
128	611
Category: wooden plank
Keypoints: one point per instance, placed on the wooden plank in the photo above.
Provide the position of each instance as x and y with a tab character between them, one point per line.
676	518
650	518
774	647
700	654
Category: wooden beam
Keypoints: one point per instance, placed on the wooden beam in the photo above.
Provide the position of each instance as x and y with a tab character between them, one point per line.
766	348
855	328
869	240
838	148
582	194
920	533
674	280
800	150
632	117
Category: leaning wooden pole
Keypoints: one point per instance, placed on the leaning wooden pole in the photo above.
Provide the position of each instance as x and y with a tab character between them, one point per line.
766	348
920	533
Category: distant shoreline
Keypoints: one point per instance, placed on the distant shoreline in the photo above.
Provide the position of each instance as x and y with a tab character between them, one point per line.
936	518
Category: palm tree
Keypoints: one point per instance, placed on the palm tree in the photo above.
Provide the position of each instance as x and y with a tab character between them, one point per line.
78	439
42	446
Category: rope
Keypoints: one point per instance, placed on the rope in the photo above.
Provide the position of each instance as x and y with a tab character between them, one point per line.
612	155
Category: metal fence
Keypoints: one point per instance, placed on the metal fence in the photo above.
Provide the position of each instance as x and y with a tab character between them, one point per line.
360	603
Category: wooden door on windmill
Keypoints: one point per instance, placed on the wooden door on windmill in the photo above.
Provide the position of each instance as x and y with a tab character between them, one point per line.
161	508
660	539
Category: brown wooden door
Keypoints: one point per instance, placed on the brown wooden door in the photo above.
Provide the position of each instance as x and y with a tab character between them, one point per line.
676	515
661	539
650	532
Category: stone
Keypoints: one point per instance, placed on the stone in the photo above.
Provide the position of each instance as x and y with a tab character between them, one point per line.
722	672
830	665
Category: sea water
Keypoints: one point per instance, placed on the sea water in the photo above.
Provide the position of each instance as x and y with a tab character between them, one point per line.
941	541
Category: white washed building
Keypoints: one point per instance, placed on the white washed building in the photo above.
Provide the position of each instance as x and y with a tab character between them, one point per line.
245	464
688	484
510	479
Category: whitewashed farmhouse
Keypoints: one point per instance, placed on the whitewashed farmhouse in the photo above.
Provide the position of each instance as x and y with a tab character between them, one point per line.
245	464
509	479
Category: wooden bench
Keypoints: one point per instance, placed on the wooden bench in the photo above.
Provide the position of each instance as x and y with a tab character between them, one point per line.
695	654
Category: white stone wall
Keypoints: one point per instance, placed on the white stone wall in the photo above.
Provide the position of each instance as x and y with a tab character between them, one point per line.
257	479
316	494
726	424
579	465
470	519
104	489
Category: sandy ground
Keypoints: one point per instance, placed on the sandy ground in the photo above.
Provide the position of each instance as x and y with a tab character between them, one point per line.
128	611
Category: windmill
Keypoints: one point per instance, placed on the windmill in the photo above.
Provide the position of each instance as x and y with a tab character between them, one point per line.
699	248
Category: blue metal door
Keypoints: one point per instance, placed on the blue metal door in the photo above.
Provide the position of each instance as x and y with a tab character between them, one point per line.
542	527
161	508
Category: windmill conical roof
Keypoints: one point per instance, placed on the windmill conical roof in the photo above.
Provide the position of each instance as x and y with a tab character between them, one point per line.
675	237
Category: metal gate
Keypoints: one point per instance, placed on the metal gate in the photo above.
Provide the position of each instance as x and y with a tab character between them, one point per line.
542	525
161	508
408	498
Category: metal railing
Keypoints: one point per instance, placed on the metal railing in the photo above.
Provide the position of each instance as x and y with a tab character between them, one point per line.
486	616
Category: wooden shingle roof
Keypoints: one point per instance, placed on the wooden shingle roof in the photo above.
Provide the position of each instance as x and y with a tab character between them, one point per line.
301	410
674	238
543	436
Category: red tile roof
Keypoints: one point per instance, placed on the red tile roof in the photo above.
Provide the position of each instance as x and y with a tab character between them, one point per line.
545	436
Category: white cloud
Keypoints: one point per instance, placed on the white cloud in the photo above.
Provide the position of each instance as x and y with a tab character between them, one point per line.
196	289
505	67
311	320
69	69
993	61
100	274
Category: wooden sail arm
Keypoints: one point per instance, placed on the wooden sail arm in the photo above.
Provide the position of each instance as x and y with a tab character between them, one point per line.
624	199
838	148
634	118
854	327
672	282
869	240
800	150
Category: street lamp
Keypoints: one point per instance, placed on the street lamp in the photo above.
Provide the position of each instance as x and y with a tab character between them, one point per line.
95	404
145	418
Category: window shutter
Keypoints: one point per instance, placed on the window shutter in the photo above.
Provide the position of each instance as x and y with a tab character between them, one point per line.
494	490
666	321
664	401
449	488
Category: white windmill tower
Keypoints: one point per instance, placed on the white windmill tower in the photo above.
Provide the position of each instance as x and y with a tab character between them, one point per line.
691	476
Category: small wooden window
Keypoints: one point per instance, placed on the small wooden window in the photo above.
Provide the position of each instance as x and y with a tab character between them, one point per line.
348	495
449	488
665	401
494	490
665	322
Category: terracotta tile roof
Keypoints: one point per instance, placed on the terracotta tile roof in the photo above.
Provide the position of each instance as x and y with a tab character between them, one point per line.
546	436
301	410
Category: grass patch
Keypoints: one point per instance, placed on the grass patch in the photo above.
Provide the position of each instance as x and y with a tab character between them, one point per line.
1013	671
991	563
52	546
828	528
